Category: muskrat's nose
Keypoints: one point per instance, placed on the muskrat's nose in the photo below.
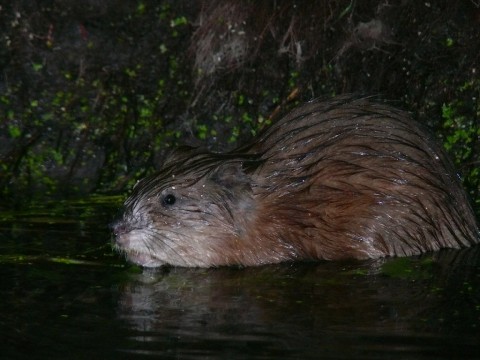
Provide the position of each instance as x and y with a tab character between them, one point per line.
118	227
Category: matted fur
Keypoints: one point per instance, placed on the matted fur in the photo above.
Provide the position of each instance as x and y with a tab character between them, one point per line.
334	179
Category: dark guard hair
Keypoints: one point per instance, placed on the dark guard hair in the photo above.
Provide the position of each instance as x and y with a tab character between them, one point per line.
334	179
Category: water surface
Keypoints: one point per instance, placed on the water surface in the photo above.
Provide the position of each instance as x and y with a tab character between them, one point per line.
66	294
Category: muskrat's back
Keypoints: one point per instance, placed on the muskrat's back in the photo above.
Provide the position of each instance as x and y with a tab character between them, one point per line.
335	179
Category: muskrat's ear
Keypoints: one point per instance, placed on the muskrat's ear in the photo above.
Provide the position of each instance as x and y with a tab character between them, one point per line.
231	176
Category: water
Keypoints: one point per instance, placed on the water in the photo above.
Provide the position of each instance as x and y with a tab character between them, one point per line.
65	294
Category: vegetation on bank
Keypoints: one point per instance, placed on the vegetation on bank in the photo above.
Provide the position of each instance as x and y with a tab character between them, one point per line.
93	95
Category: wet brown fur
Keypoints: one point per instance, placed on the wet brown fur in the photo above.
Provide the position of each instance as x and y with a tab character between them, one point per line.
335	179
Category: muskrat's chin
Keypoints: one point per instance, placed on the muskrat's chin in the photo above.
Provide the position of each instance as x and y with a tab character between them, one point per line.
142	259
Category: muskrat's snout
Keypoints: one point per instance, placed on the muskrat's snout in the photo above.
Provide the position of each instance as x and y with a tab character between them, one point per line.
131	239
119	227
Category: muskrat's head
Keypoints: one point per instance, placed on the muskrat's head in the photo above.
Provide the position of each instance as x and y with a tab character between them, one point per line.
191	213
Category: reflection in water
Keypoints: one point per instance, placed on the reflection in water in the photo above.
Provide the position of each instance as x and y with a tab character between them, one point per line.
350	309
94	308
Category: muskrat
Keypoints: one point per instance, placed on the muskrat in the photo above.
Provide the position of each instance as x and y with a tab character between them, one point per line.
333	179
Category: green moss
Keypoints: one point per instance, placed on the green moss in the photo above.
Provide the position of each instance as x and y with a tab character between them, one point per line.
14	131
408	268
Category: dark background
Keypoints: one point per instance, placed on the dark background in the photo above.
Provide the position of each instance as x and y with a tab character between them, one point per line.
94	93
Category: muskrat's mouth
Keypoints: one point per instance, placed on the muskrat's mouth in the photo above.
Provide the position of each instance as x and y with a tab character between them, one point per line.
127	240
143	259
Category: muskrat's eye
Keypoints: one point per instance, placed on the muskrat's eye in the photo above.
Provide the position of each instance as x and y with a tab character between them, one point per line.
169	199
